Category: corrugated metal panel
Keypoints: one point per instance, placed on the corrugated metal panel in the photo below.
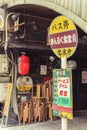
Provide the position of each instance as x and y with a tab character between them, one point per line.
86	11
62	2
83	9
66	4
69	4
58	1
74	6
1	2
77	7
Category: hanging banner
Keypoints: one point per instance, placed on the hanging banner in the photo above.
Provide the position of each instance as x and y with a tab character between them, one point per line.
63	37
62	93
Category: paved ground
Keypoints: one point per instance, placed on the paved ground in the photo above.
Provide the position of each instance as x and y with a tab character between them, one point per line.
78	123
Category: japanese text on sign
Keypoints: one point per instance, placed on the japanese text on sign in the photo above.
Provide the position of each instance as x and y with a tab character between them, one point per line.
63	37
62	25
62	93
64	87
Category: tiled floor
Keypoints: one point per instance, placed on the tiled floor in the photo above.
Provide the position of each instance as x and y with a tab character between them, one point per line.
78	123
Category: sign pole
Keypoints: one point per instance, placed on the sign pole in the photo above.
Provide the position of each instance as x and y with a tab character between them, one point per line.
63	123
63	120
63	41
63	63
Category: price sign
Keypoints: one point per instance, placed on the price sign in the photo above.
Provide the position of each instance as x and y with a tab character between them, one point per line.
62	93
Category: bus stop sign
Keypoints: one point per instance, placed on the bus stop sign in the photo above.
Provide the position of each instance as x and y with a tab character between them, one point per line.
63	37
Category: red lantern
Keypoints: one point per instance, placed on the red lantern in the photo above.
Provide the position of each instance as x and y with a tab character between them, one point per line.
23	65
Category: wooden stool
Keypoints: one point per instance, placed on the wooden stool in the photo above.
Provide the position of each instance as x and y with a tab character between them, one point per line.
50	112
30	112
25	113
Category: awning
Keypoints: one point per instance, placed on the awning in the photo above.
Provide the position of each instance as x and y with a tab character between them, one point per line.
31	46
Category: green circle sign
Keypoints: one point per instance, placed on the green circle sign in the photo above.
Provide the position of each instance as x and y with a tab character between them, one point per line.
63	37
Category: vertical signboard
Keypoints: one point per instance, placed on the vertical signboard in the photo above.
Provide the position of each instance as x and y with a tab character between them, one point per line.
7	101
7	105
62	93
2	15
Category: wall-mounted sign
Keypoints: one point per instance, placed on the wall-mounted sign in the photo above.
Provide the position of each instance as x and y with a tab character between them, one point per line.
24	83
2	15
43	69
84	77
63	37
62	93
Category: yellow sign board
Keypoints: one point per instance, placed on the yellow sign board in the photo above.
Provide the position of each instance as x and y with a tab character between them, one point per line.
24	88
63	37
1	21
24	83
2	18
8	98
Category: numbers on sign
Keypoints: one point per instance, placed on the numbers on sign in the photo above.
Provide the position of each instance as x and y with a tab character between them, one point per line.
63	93
63	101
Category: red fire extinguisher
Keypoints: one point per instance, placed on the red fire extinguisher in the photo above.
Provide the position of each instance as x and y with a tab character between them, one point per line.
23	64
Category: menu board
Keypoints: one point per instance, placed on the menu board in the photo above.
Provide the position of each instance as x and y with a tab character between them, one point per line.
62	93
